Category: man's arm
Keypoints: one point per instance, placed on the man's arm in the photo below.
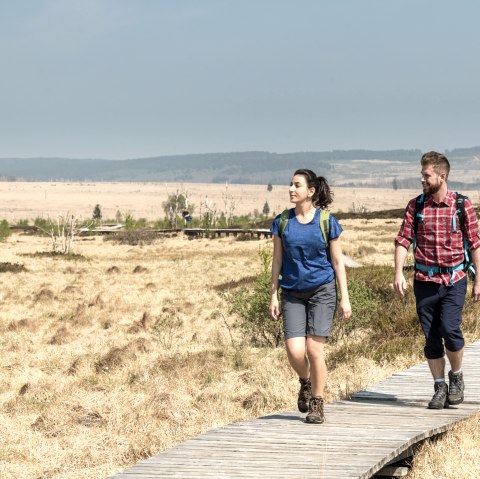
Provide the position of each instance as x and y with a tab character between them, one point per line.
399	283
472	233
402	244
476	283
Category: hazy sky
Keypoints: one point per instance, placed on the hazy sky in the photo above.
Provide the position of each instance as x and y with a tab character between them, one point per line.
134	78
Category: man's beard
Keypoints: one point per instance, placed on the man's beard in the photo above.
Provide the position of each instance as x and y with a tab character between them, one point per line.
432	189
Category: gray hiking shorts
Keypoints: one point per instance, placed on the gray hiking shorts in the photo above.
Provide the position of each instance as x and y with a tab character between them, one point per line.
309	313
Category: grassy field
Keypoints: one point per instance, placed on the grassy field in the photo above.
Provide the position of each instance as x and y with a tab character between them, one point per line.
123	351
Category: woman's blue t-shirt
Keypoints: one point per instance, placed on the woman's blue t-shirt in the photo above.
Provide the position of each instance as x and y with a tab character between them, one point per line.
305	265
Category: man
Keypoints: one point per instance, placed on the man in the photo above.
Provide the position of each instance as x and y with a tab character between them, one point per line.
440	278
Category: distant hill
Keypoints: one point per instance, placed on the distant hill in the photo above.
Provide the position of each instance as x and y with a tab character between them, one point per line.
347	167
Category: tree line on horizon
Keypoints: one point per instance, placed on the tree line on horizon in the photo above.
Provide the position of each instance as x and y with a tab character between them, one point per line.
250	167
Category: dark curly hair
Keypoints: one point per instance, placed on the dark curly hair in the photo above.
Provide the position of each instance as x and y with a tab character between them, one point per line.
323	196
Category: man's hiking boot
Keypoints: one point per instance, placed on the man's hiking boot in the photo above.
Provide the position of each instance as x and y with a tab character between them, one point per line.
315	411
440	398
304	395
456	387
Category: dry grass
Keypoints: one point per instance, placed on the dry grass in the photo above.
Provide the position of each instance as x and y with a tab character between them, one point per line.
370	241
454	455
29	200
112	358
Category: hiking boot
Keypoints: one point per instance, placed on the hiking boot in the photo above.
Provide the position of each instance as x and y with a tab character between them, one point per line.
304	395
440	398
315	411
456	387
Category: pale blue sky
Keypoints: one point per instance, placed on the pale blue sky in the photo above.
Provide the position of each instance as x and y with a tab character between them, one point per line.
134	78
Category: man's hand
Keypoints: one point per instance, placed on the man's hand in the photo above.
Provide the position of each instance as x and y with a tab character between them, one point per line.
476	290
399	284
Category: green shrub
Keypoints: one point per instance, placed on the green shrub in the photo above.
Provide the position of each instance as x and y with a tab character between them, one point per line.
162	224
251	304
129	222
382	325
390	322
43	224
5	231
167	328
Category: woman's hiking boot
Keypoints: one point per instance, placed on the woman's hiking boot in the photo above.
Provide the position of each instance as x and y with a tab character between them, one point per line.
456	387
304	395
440	397
315	411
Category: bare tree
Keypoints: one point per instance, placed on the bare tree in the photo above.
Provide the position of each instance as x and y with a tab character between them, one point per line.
211	213
62	232
230	204
177	204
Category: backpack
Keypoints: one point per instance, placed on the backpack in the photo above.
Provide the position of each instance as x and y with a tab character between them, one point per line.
467	264
324	220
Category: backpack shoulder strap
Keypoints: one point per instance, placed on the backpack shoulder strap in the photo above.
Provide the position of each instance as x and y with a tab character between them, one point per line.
418	212
468	263
282	224
325	225
460	201
324	220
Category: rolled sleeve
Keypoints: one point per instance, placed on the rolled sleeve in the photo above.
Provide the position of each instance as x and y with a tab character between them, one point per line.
405	235
471	226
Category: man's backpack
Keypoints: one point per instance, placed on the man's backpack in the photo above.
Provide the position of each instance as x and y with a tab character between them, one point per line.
324	220
467	264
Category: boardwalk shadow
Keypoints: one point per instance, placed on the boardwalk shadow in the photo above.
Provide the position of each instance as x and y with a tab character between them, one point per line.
392	400
285	417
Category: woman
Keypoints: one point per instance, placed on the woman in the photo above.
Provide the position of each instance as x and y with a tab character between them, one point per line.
306	269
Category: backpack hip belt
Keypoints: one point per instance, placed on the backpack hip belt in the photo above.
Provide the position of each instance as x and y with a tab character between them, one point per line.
431	270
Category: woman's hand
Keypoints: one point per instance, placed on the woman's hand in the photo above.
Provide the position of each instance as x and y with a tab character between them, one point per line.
346	308
274	308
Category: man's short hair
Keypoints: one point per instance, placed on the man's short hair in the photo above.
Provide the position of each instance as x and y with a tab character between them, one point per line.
438	161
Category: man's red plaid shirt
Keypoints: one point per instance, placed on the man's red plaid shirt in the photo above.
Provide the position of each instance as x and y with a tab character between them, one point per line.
437	242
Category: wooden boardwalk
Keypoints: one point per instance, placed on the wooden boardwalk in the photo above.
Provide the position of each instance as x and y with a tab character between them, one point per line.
360	436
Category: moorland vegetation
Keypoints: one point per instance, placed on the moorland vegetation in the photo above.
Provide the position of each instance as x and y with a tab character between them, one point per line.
124	348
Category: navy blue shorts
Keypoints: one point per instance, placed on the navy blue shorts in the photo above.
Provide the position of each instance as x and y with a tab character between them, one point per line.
439	310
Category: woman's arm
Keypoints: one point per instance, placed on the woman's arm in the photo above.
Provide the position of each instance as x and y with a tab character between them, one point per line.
274	308
339	268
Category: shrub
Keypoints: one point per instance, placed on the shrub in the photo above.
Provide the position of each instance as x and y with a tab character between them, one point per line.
167	328
97	212
43	224
12	268
161	224
251	304
5	231
386	324
388	320
134	224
